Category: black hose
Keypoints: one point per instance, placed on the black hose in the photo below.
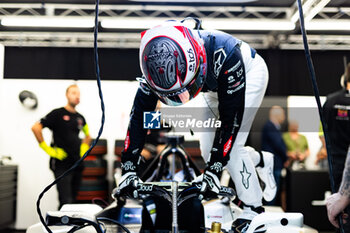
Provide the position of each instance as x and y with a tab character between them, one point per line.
115	222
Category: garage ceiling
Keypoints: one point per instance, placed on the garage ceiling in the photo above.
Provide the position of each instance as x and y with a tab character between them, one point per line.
262	23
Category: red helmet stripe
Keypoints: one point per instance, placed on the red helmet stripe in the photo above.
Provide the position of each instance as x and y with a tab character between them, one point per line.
193	42
181	29
143	33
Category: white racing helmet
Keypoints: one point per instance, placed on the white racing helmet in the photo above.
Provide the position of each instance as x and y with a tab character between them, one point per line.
173	62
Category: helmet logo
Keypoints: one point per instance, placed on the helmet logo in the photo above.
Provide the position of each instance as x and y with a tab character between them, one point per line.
192	59
164	61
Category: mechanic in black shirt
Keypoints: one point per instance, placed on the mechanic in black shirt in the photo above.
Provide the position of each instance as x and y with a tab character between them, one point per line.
177	64
336	111
66	147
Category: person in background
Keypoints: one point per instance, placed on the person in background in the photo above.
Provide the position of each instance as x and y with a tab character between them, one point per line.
66	147
272	141
336	111
297	146
321	156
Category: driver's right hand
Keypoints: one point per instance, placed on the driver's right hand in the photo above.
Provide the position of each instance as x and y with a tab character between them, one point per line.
127	186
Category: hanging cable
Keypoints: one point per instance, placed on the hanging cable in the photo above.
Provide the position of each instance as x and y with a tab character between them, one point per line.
97	71
318	101
104	219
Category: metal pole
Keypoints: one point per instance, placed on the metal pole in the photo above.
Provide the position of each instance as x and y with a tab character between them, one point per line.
175	226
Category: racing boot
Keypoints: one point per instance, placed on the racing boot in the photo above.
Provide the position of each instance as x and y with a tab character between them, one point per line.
242	223
265	173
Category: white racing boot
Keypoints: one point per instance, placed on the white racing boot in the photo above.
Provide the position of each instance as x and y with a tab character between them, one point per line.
265	173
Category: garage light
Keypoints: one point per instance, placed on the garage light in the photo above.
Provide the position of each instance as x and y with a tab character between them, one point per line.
138	23
328	25
249	25
38	21
224	24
